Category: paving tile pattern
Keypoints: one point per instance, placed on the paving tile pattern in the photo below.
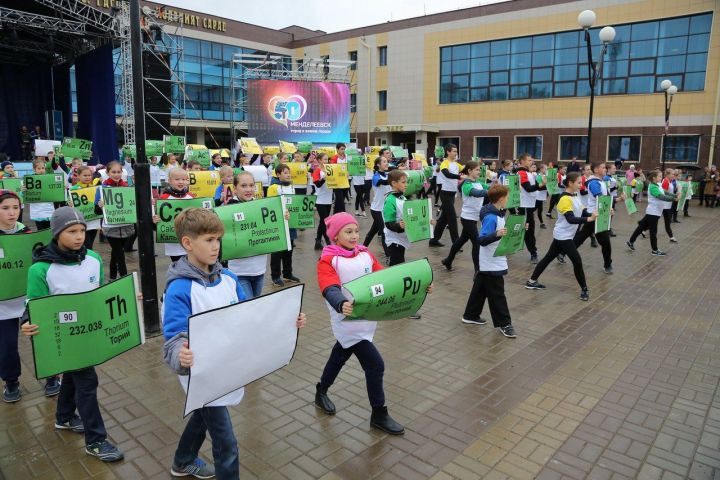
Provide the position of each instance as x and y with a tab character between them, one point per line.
622	386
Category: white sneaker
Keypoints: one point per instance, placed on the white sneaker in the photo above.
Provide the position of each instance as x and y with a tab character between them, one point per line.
673	240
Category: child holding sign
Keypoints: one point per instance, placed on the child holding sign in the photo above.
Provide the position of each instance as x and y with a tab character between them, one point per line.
40	213
282	260
117	235
473	192
489	283
177	189
85	180
571	213
341	262
396	239
323	203
66	266
250	271
223	192
656	201
381	188
197	283
11	310
596	187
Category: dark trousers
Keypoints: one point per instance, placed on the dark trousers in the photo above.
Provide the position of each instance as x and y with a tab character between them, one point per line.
554	199
710	200
667	217
368	189
539	210
78	391
323	213
396	254
340	194
359	197
648	222
9	357
530	233
216	421
117	257
376	228
603	238
567	248
490	288
90	238
42	224
701	193
469	232
674	210
448	217
371	362
280	260
130	242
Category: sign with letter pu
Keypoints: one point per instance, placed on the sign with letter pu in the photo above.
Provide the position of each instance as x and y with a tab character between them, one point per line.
391	293
81	330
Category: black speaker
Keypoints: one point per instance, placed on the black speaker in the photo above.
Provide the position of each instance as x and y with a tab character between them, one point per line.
157	89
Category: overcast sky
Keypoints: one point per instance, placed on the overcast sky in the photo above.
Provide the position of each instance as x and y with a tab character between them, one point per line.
329	16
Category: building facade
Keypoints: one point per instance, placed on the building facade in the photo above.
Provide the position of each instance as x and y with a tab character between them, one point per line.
499	80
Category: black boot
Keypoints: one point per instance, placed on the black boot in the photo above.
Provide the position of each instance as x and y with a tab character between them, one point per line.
322	401
318	245
382	420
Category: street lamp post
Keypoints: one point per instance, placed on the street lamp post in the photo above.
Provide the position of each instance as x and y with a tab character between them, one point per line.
586	19
670	91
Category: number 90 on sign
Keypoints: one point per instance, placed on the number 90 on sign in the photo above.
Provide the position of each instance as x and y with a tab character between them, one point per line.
67	317
377	290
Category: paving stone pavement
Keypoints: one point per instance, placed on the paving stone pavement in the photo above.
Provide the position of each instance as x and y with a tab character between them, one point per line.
624	386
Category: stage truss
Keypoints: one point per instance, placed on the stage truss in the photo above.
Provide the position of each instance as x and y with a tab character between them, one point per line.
248	66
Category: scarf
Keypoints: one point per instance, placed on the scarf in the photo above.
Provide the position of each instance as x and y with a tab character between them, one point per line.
338	251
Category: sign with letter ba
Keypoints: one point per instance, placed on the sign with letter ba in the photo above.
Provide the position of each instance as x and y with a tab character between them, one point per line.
44	188
391	293
81	330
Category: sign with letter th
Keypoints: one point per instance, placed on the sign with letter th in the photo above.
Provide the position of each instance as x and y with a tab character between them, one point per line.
81	330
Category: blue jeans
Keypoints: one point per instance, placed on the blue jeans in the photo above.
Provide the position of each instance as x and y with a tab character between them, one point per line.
216	421
252	285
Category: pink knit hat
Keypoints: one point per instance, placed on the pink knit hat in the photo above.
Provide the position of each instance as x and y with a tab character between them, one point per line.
336	222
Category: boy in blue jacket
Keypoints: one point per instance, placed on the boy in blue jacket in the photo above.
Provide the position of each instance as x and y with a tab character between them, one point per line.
197	283
489	283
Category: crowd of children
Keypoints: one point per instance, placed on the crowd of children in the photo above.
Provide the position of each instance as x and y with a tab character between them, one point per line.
197	281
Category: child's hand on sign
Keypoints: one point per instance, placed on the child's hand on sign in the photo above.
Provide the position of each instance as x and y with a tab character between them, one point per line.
501	233
593	215
347	309
429	289
28	329
300	320
185	356
156	218
100	204
139	297
527	226
402	224
287	215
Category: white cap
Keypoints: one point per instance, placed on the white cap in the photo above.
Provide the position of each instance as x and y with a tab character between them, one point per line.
632	167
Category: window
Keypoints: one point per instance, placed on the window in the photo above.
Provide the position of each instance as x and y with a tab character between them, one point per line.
487	147
353	102
681	148
572	146
382	100
642	54
530	145
382	56
624	147
352	56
